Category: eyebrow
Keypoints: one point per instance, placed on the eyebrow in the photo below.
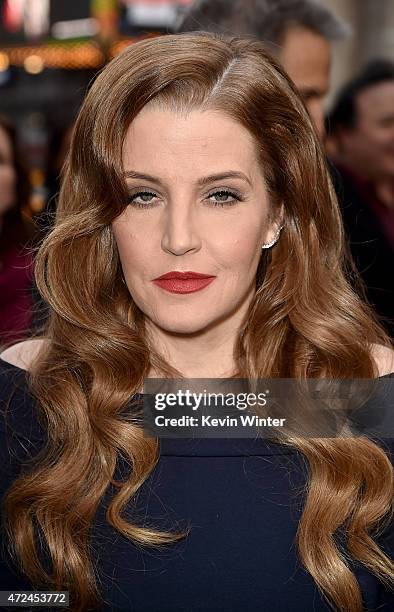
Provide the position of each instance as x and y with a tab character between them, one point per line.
201	182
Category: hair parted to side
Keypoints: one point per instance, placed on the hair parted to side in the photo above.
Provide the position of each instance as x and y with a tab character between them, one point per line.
305	321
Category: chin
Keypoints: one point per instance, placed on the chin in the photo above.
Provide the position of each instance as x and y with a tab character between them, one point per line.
187	325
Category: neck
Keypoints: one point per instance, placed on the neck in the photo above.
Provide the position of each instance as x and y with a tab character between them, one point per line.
209	355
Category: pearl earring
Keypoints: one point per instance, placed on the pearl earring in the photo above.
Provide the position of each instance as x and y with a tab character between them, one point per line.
270	244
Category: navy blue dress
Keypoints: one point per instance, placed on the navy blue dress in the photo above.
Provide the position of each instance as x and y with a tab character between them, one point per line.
242	498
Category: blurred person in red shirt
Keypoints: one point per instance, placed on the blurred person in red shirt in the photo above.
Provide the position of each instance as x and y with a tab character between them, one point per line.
17	233
361	127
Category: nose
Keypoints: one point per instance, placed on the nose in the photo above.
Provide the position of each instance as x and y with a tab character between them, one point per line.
180	233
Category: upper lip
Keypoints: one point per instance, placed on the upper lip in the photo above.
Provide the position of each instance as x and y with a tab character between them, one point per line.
183	275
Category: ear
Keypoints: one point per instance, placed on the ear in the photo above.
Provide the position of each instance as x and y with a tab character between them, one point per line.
277	220
280	217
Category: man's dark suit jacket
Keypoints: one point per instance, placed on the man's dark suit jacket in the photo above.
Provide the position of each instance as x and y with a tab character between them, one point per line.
369	245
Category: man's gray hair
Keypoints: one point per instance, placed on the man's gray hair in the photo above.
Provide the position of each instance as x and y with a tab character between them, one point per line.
266	20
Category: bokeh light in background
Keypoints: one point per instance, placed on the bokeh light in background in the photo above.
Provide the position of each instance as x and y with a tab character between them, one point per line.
49	52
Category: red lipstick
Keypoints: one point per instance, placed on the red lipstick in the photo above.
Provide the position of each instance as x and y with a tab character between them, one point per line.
183	282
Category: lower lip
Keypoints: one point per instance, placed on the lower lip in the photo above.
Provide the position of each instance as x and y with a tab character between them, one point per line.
189	285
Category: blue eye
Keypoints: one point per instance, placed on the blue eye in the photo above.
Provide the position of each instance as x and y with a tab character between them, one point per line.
145	197
223	194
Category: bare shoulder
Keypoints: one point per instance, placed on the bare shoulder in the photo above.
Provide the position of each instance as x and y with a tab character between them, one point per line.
384	358
23	353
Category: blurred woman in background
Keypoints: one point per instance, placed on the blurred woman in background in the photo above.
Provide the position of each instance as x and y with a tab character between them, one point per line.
16	232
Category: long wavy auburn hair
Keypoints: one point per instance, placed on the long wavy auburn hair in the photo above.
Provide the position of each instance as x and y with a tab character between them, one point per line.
306	320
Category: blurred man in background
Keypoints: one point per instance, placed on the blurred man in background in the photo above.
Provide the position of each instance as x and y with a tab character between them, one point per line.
298	32
361	131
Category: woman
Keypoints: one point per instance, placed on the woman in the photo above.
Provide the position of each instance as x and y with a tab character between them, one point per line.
190	152
16	231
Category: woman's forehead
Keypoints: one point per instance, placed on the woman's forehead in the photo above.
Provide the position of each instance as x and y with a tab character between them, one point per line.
204	135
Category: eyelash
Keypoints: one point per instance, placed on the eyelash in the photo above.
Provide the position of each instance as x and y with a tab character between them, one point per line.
234	194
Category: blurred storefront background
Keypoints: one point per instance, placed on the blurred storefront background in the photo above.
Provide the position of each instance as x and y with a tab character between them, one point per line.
372	23
49	52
